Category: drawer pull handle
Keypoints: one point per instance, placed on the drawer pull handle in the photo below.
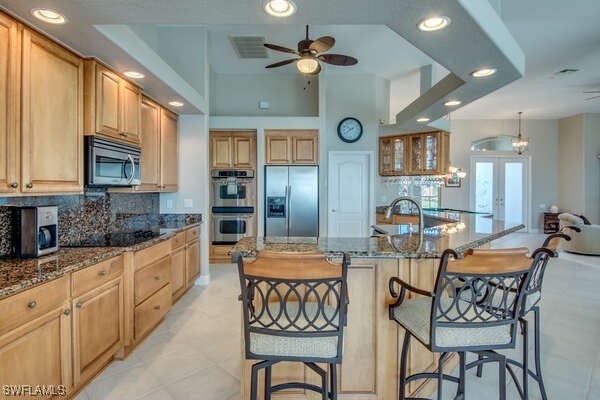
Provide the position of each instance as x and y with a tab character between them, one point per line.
103	272
157	277
79	305
32	304
67	312
157	307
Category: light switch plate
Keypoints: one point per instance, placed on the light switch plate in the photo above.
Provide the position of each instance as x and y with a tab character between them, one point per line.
188	203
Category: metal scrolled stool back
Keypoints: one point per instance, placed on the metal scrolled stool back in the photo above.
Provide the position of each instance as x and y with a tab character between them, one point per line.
463	313
294	309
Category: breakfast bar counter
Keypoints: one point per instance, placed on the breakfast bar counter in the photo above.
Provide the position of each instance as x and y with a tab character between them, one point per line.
369	368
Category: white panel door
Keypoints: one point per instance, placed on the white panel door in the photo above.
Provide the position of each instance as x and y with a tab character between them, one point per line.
349	193
500	186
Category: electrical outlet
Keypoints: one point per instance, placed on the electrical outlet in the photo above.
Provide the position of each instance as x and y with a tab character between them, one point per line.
188	203
169	204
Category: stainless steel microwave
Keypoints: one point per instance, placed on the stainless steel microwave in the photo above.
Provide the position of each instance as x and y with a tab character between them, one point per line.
110	163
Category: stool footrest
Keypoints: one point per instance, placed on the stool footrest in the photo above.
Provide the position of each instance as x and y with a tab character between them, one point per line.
427	375
296	385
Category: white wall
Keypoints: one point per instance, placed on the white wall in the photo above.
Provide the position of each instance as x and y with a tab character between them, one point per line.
543	135
287	94
592	167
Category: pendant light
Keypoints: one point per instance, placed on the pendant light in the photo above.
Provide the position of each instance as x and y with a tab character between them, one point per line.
520	144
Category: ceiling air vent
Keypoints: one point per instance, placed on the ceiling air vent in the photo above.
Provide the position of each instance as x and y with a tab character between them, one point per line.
249	46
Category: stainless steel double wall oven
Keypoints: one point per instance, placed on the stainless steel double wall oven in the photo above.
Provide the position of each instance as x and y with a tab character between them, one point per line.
233	200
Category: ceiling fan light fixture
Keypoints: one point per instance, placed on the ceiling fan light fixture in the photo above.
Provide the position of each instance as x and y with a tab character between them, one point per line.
50	16
483	72
280	8
434	23
307	64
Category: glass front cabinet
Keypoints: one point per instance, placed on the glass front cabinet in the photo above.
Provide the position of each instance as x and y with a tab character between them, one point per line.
414	154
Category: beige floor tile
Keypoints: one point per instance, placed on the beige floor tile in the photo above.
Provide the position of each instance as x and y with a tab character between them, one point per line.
176	366
211	384
82	395
160	394
120	366
132	384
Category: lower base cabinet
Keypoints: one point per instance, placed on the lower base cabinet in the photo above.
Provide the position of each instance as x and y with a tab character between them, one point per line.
149	313
38	354
192	262
178	278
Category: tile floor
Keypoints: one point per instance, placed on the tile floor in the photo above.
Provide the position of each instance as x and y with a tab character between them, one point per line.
195	352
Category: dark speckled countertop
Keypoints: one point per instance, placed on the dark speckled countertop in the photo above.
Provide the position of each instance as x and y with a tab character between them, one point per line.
468	231
17	274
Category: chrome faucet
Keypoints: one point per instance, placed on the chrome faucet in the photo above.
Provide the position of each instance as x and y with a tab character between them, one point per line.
390	209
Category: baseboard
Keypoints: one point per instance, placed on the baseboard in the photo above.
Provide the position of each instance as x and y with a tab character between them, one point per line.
202	280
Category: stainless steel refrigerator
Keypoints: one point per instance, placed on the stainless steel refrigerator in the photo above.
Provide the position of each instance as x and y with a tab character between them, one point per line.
291	201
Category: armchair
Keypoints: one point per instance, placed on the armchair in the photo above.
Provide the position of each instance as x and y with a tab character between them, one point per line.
585	237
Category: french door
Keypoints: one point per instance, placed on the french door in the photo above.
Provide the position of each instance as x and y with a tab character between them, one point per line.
500	186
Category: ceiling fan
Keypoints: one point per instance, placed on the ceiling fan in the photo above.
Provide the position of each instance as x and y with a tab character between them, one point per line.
592	92
309	52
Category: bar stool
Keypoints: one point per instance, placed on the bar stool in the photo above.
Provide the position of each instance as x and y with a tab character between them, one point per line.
463	313
294	309
533	295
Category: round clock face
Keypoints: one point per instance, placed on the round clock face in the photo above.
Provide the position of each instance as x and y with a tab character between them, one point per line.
350	130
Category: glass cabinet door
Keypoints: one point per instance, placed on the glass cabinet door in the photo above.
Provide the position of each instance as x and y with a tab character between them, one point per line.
416	153
431	152
399	150
385	157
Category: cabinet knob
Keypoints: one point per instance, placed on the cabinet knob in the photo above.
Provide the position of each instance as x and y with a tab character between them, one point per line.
157	277
103	272
67	312
157	307
14	185
124	134
32	304
79	305
29	185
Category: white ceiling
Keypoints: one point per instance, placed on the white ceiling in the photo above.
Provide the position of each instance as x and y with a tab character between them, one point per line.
553	34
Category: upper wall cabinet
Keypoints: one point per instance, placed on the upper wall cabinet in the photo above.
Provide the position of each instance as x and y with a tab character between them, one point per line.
160	149
414	154
51	117
233	149
9	95
291	147
112	105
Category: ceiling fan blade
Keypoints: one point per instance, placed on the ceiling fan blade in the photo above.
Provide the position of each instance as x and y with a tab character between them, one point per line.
281	63
316	71
280	48
337	59
322	44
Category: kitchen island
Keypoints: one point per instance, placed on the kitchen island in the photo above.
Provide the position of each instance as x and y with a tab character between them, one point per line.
371	341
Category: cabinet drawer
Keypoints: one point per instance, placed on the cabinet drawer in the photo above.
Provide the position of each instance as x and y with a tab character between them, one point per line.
96	275
151	254
151	311
148	280
178	241
23	307
192	234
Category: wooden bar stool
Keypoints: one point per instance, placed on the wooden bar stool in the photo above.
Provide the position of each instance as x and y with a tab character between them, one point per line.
294	309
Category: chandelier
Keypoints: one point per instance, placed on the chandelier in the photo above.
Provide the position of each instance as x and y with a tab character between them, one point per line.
520	144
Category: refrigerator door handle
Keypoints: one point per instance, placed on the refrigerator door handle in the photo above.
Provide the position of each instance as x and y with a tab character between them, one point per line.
288	194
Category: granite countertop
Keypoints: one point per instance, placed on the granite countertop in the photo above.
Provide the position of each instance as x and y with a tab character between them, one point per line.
469	230
17	274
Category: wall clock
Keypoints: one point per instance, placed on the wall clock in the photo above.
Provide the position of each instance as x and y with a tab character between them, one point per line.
350	130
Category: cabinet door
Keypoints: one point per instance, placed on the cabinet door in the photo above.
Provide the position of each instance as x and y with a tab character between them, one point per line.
385	156
278	150
431	152
52	135
169	151
192	262
39	352
305	150
178	281
97	329
399	155
243	154
9	95
222	152
150	141
416	154
108	103
132	98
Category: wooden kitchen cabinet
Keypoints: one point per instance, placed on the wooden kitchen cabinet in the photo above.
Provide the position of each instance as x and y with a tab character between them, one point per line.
112	104
414	154
192	262
291	147
9	104
233	149
51	123
160	149
178	267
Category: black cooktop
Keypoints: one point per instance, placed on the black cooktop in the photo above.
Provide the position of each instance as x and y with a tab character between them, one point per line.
116	239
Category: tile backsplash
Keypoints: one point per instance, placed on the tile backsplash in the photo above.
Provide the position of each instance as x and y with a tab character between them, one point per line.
93	213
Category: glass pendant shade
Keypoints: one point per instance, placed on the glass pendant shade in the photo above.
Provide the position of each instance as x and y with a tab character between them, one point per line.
307	65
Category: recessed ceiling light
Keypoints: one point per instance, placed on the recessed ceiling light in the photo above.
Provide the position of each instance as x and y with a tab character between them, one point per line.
134	74
50	16
423	119
434	23
176	103
280	8
451	103
483	72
